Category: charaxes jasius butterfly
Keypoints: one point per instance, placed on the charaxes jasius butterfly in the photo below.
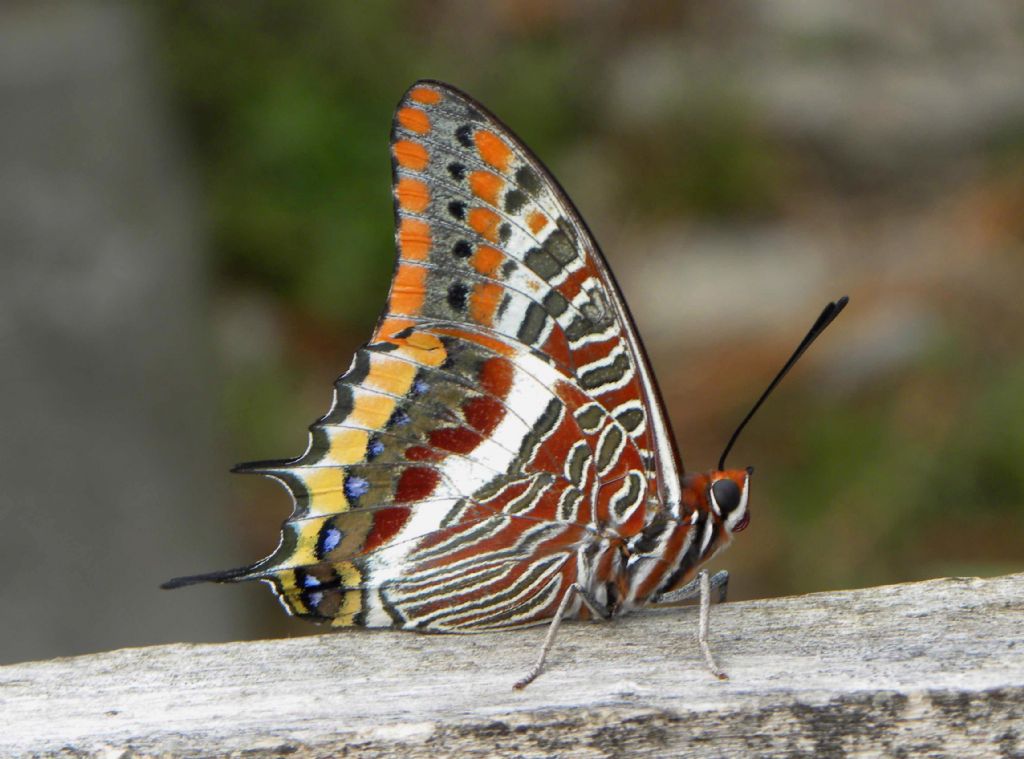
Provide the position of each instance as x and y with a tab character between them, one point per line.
498	454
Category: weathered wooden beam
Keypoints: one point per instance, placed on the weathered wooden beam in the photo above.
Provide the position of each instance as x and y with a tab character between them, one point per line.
932	668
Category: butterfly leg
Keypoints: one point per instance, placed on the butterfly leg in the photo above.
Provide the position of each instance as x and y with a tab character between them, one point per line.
702	586
702	627
596	608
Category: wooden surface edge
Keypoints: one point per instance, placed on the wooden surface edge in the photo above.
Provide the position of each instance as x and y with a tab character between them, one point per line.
933	668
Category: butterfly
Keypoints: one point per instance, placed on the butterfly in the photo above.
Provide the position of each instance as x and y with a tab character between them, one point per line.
498	455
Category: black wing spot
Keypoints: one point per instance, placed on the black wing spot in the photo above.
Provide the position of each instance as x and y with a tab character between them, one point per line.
457	209
462	249
457	170
527	179
514	201
464	134
458	296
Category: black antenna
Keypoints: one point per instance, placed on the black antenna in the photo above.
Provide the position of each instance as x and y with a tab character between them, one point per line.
830	312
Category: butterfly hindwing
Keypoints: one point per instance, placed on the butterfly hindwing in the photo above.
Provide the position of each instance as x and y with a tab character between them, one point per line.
492	459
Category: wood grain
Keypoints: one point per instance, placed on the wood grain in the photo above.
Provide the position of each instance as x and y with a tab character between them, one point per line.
932	668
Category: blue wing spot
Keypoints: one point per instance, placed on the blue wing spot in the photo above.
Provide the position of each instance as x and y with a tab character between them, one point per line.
330	539
419	387
398	418
355	487
374	448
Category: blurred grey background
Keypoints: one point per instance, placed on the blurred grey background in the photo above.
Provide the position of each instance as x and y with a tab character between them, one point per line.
195	233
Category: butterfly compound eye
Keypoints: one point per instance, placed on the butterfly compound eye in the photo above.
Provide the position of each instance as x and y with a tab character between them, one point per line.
726	494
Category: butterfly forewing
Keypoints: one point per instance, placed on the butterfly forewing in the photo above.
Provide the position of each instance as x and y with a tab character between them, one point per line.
501	418
490	238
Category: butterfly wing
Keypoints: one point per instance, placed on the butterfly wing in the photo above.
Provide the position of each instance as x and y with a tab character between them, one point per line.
502	415
508	250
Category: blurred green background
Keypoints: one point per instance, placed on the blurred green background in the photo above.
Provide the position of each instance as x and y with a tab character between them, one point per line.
741	164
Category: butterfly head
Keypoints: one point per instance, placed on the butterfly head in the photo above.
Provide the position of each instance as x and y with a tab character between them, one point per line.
727	496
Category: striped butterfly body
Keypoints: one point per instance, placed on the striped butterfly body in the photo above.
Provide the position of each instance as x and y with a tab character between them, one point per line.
497	455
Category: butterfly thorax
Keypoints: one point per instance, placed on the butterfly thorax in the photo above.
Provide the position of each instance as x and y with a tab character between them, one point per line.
678	539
